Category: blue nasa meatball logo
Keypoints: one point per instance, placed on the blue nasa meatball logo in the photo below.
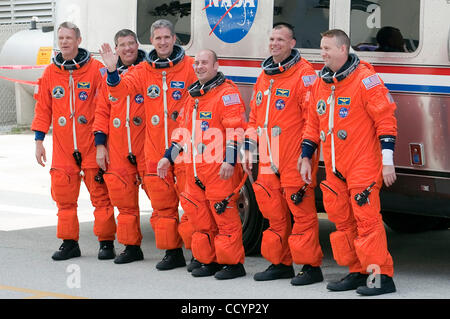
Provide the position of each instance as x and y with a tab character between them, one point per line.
280	104
204	126
230	20
139	99
83	96
176	95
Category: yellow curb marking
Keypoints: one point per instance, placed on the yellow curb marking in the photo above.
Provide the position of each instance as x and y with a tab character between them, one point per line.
37	294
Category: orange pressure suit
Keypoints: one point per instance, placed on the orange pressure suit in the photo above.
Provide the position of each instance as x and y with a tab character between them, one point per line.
351	113
66	96
278	104
163	83
219	125
122	120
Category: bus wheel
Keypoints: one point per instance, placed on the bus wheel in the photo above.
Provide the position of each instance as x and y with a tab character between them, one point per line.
252	220
409	223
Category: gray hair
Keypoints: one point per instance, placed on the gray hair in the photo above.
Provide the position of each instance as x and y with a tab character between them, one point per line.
162	23
71	26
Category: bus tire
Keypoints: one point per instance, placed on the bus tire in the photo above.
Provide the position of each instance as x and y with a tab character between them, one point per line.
252	220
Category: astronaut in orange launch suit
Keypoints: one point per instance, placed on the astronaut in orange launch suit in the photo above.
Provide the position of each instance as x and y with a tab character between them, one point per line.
66	97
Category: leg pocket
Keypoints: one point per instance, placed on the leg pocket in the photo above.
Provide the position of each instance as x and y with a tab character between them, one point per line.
229	249
343	248
166	233
305	247
269	201
336	202
162	194
122	191
65	187
272	247
202	248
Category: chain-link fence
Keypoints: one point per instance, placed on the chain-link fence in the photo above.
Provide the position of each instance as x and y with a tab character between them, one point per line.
8	116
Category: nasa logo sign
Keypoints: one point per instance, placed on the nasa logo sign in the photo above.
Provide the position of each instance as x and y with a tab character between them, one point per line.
230	20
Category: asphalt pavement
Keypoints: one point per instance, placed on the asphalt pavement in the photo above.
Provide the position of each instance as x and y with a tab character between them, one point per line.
28	239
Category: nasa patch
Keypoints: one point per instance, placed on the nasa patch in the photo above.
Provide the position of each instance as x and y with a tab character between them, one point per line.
230	20
83	96
204	126
139	99
176	95
343	112
280	104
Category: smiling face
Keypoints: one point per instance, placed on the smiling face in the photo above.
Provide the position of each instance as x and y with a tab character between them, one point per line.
163	41
127	49
205	66
281	43
333	54
68	43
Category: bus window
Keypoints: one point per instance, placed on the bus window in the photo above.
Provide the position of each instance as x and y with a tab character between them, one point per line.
177	12
309	18
385	25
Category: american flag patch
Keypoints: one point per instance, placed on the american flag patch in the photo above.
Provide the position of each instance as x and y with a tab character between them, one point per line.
371	81
231	99
308	80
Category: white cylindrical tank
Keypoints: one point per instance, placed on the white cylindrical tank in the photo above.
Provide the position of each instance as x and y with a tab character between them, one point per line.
26	48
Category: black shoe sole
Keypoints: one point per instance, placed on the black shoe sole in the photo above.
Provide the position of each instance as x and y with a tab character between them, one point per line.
305	281
385	289
106	256
164	267
220	276
127	261
72	254
282	276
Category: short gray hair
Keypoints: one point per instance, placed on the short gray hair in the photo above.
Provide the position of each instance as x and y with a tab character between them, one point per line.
71	26
162	23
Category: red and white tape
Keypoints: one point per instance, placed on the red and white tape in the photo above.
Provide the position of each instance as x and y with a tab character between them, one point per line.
21	67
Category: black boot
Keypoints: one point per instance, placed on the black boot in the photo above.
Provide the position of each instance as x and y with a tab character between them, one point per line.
106	250
308	275
385	285
174	258
68	249
230	272
130	254
206	270
193	264
350	282
279	271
